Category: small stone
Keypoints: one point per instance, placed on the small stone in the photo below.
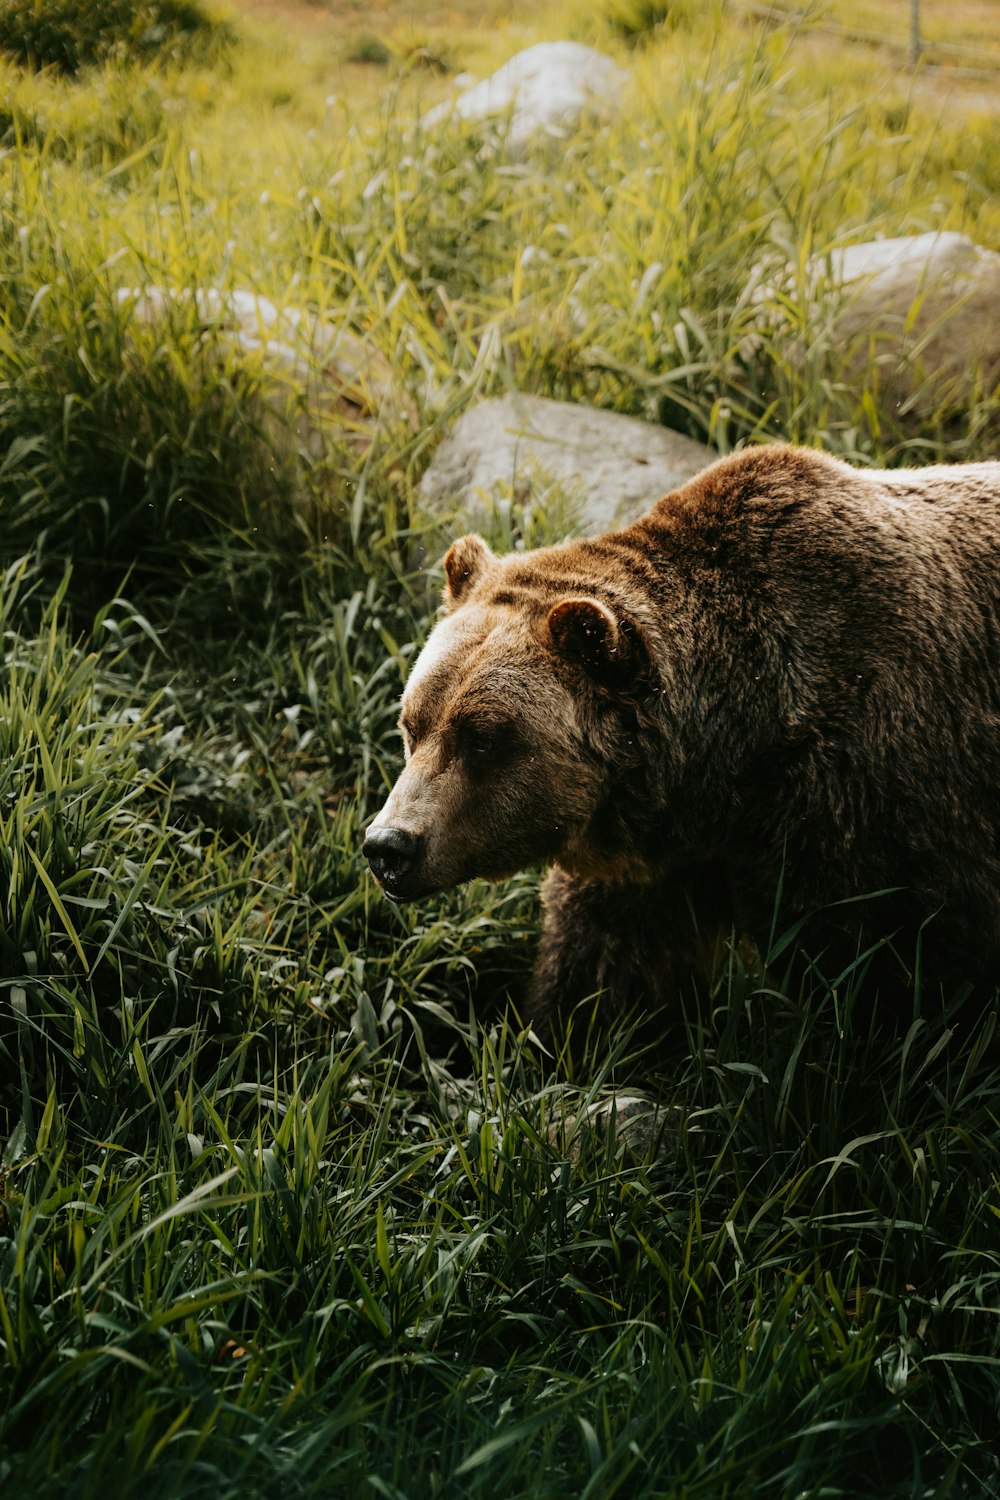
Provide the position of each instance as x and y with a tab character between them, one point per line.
644	1129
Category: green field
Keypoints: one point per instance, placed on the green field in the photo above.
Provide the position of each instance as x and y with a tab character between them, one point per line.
291	1202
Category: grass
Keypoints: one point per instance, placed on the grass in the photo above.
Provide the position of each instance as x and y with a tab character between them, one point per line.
66	38
964	36
291	1203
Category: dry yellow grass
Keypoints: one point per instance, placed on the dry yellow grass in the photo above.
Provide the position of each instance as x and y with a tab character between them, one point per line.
960	42
333	39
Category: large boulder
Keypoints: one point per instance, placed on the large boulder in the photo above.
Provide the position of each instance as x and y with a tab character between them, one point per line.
612	467
915	317
546	90
318	378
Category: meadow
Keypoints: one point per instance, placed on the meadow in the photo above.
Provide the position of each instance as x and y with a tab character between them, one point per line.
291	1201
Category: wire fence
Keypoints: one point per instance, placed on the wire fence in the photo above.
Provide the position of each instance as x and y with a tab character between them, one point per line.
962	59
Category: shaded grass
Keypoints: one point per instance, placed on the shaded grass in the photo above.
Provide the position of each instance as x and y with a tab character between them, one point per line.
433	1298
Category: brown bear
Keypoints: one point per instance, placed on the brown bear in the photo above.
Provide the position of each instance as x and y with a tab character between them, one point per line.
775	694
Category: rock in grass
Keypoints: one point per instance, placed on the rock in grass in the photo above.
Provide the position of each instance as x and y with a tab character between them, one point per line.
914	318
546	90
612	467
644	1129
319	379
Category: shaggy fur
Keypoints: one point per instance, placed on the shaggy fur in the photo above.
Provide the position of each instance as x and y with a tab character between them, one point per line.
784	678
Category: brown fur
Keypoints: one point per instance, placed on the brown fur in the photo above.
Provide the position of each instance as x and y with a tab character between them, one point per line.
786	676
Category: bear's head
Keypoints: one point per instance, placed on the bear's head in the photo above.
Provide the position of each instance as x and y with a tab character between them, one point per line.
517	714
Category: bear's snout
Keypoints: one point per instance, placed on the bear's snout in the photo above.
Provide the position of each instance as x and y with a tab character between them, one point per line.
392	854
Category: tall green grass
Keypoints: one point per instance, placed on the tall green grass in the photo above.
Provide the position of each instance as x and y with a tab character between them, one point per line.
291	1201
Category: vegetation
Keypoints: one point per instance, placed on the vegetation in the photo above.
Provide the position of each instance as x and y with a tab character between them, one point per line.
68	36
291	1203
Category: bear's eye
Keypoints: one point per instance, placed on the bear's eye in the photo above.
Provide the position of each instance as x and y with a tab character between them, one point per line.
409	735
485	742
478	741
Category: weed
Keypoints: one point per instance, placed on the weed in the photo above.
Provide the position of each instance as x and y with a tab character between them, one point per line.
368	48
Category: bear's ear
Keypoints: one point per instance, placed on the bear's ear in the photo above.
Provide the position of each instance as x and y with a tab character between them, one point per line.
589	633
465	561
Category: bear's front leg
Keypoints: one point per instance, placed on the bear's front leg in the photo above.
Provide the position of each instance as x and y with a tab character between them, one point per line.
637	947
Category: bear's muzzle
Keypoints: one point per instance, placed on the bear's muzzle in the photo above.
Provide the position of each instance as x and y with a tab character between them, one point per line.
392	854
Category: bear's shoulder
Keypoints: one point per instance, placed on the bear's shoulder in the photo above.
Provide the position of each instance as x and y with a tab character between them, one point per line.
774	476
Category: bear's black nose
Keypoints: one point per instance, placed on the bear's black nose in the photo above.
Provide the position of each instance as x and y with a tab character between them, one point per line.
392	853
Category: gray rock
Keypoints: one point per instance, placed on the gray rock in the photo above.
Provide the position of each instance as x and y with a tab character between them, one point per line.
546	90
613	467
643	1129
915	317
318	378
